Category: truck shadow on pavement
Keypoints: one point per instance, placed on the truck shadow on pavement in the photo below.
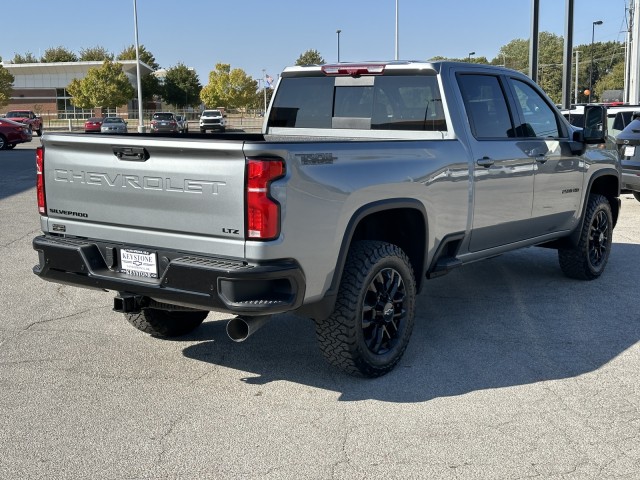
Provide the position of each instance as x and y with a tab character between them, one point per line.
18	171
509	321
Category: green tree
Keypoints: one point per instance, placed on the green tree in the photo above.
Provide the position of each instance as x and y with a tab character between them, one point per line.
514	55
149	84
550	64
229	88
614	80
259	98
95	54
26	58
6	85
106	87
181	86
129	53
310	57
439	58
607	55
57	55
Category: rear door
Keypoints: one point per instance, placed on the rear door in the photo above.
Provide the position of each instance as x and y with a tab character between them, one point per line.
504	166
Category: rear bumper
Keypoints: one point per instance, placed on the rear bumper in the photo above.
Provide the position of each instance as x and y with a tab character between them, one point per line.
631	179
194	281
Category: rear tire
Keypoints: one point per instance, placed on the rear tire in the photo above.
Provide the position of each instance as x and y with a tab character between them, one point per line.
586	260
636	195
369	329
166	323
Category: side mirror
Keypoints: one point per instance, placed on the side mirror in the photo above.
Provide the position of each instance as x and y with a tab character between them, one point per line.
595	124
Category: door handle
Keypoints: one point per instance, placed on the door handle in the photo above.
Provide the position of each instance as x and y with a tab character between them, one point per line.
485	162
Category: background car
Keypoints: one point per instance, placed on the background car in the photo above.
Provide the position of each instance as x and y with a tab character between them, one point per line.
212	120
12	133
164	122
183	124
93	124
113	125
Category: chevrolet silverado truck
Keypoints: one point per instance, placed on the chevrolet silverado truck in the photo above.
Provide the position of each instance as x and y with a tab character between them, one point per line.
366	181
27	117
212	120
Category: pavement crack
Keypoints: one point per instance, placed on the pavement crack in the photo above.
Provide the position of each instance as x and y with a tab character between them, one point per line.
27	235
63	317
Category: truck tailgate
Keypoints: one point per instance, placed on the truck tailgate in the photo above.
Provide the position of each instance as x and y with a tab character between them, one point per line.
163	186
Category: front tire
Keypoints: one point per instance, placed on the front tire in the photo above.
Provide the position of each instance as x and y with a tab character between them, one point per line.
369	329
166	323
636	195
586	260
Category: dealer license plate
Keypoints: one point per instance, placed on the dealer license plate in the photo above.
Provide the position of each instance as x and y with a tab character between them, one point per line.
138	263
629	150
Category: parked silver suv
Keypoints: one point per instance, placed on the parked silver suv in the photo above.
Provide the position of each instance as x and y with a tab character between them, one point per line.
183	123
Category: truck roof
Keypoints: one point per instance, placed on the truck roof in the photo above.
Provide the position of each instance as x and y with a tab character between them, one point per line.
379	66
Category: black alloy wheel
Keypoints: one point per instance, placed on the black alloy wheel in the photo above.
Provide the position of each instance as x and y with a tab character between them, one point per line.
383	311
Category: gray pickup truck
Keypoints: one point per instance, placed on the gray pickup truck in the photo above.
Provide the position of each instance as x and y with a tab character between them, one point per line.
366	180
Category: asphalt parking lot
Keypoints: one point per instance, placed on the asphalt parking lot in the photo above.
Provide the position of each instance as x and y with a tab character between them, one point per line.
513	371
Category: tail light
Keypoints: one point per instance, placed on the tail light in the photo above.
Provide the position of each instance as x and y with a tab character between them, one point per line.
42	203
263	212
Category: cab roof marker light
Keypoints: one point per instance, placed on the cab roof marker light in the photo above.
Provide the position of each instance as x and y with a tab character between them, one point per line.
353	69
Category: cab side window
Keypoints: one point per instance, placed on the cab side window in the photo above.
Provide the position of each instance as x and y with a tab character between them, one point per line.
539	119
486	106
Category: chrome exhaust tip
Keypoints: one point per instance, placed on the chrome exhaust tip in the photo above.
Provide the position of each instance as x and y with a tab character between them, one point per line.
241	328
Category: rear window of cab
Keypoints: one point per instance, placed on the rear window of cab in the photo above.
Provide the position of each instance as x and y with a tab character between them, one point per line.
385	102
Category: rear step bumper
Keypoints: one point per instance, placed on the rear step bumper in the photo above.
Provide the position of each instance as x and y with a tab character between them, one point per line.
189	280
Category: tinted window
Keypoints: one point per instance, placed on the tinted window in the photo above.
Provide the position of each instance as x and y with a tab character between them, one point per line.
163	116
575	119
539	118
486	106
390	103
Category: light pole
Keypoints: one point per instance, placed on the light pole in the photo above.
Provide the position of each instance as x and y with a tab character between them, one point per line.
575	92
338	33
593	31
469	56
397	33
264	76
135	25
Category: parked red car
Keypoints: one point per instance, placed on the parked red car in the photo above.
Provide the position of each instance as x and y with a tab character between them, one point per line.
12	133
93	124
28	117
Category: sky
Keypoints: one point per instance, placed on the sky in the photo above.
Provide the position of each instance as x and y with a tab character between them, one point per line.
263	37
